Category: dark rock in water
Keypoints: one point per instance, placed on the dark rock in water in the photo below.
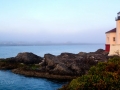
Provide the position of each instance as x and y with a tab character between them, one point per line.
61	69
50	60
28	58
101	51
11	60
72	64
67	55
81	53
65	64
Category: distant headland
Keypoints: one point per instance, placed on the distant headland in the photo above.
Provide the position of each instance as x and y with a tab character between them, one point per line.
39	43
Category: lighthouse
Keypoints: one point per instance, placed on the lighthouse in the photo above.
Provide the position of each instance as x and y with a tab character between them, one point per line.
118	28
113	38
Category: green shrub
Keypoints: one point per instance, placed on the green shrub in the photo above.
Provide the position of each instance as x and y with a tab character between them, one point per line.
103	76
33	67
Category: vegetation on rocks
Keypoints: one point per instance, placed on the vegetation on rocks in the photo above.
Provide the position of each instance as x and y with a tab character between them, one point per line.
6	65
103	76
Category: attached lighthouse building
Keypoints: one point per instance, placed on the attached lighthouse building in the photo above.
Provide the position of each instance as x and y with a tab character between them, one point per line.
113	38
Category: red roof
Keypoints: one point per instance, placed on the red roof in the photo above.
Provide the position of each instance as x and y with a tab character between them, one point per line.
113	30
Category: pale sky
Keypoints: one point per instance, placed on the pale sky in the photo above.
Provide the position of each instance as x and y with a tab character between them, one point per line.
59	21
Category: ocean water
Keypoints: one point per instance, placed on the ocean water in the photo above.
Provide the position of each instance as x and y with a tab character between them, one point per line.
11	81
11	51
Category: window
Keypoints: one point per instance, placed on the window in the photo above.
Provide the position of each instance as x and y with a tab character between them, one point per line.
108	39
113	38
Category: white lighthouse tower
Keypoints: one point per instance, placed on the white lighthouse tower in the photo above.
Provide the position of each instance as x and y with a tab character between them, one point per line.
118	28
113	38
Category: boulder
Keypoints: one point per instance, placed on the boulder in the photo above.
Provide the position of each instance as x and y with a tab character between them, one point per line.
101	51
81	53
61	69
67	55
28	58
50	60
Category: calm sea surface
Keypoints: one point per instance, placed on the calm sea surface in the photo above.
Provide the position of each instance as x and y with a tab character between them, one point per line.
11	81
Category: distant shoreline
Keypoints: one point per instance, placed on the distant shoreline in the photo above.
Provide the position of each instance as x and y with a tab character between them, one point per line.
52	44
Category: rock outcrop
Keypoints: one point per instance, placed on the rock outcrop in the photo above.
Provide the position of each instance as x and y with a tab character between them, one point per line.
26	58
73	64
56	67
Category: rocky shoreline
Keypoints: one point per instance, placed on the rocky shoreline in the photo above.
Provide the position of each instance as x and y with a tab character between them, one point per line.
65	66
43	75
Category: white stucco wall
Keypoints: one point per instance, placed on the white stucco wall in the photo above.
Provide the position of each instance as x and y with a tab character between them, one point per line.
114	49
109	38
